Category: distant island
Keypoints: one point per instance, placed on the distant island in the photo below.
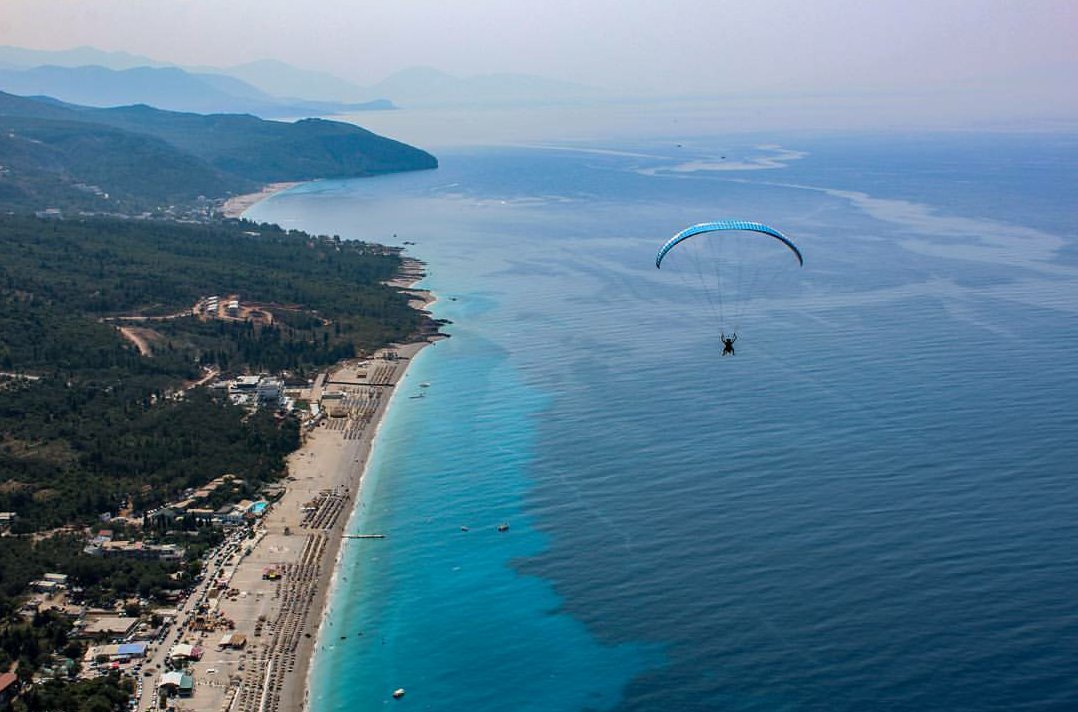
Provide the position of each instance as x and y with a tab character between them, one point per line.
138	160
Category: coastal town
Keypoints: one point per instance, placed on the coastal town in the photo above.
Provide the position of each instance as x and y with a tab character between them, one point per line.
197	457
241	635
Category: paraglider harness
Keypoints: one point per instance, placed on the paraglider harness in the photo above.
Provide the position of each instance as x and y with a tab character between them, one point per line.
727	344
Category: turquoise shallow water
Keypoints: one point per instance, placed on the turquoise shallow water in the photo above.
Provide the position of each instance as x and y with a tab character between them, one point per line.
441	608
870	507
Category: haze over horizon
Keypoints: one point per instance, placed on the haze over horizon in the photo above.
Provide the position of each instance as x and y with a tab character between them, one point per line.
979	56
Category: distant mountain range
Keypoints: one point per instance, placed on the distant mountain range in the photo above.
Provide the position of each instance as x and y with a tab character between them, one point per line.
169	88
266	88
280	79
77	57
269	76
135	158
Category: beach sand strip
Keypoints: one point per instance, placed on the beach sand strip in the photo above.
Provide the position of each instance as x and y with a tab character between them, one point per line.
235	207
299	539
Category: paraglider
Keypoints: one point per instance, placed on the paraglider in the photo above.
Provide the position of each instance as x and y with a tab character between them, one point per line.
720	226
732	263
727	344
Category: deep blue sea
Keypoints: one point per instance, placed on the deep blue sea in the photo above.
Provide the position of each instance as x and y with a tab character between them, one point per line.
872	506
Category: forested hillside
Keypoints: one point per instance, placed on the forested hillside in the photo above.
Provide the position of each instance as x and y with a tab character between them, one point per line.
135	159
87	422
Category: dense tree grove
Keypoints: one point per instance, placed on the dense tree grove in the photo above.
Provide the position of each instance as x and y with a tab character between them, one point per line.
100	580
97	426
32	642
127	160
89	425
103	694
101	268
92	425
100	426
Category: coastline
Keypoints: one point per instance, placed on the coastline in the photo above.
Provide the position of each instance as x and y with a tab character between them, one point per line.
304	673
300	683
300	538
295	692
237	205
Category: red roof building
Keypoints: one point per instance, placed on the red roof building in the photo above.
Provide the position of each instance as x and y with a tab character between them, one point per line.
9	687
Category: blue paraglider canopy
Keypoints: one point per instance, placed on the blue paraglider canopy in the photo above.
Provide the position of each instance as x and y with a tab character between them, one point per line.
721	225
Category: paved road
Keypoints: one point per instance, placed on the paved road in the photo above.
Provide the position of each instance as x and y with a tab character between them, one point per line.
155	660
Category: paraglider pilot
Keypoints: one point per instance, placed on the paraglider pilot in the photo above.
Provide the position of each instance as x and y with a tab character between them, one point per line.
727	344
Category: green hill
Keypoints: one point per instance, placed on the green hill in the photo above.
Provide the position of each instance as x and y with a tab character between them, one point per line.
89	426
50	163
62	155
272	151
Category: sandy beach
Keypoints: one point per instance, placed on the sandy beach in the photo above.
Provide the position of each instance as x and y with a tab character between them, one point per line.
235	207
272	590
257	613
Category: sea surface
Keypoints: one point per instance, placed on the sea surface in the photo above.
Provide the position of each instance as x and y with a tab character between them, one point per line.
872	506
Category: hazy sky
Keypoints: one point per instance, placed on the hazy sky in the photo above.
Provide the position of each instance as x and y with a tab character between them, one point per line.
630	46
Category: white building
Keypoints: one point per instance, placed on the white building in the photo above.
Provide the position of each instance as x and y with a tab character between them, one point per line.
270	391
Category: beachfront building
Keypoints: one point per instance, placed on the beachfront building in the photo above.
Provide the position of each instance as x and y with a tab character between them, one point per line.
200	515
58	579
235	641
163	518
334	405
263	390
177	683
245	384
145	632
230	515
119	652
136	550
270	391
273	490
244	390
46	586
109	627
184	651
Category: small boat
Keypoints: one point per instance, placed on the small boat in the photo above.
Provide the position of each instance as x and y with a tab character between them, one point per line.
425	384
417	395
398	693
503	527
464	529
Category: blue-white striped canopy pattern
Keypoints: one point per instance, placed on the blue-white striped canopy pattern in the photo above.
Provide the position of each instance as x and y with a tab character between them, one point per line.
720	225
